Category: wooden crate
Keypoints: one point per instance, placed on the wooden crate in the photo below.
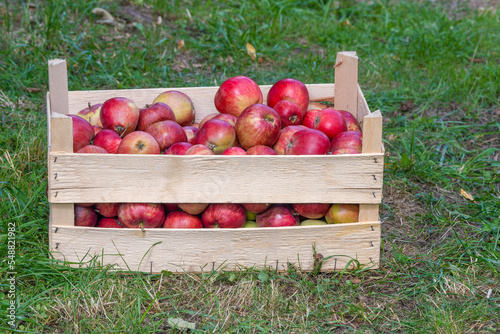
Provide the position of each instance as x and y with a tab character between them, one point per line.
88	178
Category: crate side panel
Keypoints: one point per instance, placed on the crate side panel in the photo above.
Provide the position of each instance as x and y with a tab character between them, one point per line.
193	250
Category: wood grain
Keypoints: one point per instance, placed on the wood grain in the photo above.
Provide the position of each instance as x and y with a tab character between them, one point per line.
372	133
58	86
346	82
196	250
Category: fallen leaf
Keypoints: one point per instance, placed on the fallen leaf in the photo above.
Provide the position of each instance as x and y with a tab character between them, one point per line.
33	89
466	195
180	43
180	323
251	51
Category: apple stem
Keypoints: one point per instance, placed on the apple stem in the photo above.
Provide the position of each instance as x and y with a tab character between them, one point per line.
90	106
141	225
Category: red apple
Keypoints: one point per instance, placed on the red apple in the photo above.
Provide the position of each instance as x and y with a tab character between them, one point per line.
180	219
167	133
178	148
256	207
83	133
350	121
342	213
85	216
107	209
345	151
108	140
234	151
92	114
330	122
347	139
277	215
169	207
156	112
236	94
258	124
97	129
227	118
181	105
193	208
284	137
217	135
306	142
207	118
309	117
224	215
191	132
260	150
120	115
138	142
290	113
144	215
199	149
311	210
291	90
92	149
109	223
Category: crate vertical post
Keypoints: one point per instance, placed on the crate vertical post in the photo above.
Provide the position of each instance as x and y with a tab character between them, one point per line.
60	133
346	82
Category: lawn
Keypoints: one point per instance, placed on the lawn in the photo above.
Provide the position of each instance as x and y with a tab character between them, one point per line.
431	67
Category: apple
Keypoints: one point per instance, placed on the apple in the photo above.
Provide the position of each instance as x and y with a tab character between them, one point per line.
107	209
306	142
224	215
347	139
141	215
97	129
120	115
345	151
108	140
92	114
311	222
193	208
85	216
138	142
309	117
250	215
167	133
291	90
256	207
110	222
350	121
92	149
156	112
237	93
277	215
227	118
181	105
250	224
207	118
342	213
178	148
191	132
234	151
290	113
181	219
260	150
330	122
284	137
217	135
83	133
258	124
86	205
199	149
311	210
169	207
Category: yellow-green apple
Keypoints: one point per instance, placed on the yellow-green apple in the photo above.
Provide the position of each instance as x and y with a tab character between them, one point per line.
350	121
92	114
290	113
110	222
250	224
309	117
217	135
308	142
178	148
199	149
278	215
108	140
141	215
138	142
181	219
347	139
330	122
167	133
260	150
311	222
83	133
193	208
120	114
223	215
342	213
237	93
85	216
92	149
250	215
191	132
345	151
258	124
256	207
107	209
311	210
234	151
181	105
153	113
291	90
284	137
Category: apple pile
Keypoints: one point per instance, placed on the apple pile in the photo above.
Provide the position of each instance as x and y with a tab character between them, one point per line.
241	124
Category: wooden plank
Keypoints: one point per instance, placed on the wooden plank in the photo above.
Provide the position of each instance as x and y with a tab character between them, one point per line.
58	86
91	178
346	82
202	97
196	250
372	133
368	212
363	109
61	214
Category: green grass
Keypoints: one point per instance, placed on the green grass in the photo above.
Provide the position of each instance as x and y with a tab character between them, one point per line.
431	70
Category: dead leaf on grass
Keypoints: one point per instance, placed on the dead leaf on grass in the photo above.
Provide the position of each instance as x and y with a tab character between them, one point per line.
466	195
180	43
180	323
251	51
107	18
